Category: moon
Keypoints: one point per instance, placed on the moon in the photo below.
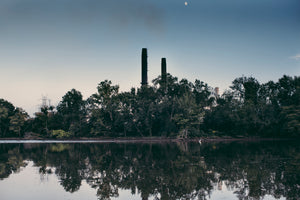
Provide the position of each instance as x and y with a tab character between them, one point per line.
185	3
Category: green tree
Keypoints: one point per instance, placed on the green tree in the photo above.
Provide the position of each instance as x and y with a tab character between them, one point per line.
291	117
202	93
288	90
73	112
6	111
17	121
42	123
189	116
104	106
246	89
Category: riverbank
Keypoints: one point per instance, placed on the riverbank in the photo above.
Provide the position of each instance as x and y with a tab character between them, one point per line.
138	140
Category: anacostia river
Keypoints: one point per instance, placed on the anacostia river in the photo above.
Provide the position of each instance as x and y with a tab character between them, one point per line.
167	171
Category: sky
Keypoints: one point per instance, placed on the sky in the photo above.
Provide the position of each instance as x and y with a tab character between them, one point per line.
48	47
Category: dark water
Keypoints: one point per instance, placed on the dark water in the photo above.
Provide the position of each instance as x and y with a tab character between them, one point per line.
256	170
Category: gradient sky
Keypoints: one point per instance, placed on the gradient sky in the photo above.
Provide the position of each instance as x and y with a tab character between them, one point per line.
48	47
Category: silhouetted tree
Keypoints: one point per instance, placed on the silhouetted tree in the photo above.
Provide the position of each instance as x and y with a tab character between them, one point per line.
12	120
72	110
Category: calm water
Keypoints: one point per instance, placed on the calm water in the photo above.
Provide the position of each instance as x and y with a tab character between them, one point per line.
263	170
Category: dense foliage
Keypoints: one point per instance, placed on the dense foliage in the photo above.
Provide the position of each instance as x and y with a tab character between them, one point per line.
172	109
253	109
13	121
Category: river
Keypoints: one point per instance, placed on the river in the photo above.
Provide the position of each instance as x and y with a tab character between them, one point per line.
233	170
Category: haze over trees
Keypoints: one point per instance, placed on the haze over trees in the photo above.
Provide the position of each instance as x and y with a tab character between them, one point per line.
168	108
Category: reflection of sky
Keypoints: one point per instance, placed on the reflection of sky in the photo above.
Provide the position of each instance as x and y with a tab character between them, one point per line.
49	47
30	185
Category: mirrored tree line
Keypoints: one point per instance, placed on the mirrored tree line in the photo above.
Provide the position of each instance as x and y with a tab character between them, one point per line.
165	171
171	108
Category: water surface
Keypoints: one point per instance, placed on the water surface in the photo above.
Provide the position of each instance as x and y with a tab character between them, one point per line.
237	170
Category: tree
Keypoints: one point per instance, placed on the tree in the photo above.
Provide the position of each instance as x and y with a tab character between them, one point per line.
104	105
288	90
17	121
291	118
189	115
202	93
6	111
72	110
12	119
246	89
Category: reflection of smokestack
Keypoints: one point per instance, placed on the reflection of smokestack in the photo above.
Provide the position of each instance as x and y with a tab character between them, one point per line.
164	71
144	67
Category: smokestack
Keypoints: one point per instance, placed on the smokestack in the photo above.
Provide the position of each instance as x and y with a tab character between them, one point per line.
164	71
144	67
217	91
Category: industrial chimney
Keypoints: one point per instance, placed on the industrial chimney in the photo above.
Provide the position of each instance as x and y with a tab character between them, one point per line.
217	91
164	72
144	67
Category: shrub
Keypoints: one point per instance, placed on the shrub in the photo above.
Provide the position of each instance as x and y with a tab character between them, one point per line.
61	134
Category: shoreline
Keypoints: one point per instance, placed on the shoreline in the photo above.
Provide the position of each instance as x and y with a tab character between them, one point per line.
140	140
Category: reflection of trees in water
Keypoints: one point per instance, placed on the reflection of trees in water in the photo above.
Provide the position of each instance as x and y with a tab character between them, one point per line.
257	170
166	171
10	161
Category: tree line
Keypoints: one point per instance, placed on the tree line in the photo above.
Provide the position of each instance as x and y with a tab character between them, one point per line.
171	108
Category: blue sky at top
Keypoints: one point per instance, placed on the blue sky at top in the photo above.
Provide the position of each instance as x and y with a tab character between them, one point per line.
49	47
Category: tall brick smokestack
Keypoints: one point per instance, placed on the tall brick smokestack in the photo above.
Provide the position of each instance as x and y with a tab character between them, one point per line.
164	72
144	67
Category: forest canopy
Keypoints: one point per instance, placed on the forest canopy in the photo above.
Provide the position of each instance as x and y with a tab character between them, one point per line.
169	108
